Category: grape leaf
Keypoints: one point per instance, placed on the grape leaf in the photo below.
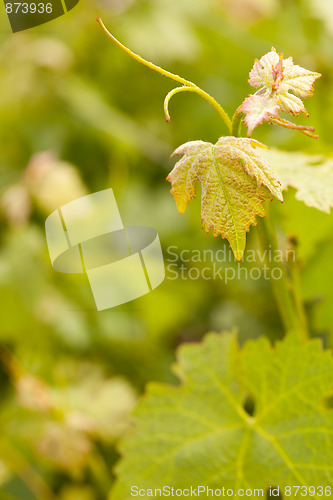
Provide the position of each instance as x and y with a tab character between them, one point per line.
311	176
235	181
199	433
277	76
257	109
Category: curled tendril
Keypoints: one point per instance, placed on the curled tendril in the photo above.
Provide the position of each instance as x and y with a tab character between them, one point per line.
184	88
187	85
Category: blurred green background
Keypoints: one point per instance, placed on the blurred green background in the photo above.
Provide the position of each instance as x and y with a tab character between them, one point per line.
78	116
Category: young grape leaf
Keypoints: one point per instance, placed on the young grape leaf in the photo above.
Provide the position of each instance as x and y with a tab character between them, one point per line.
200	434
235	181
309	175
276	76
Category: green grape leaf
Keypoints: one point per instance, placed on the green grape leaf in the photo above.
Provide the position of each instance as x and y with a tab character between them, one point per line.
311	176
198	433
235	181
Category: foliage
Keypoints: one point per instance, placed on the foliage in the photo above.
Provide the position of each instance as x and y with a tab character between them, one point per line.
311	176
77	116
199	433
275	77
185	448
235	181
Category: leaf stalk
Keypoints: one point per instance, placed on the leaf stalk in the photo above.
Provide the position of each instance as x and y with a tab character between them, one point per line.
236	123
289	305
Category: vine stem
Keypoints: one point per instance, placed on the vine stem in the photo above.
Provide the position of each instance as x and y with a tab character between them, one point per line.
187	84
285	293
236	123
